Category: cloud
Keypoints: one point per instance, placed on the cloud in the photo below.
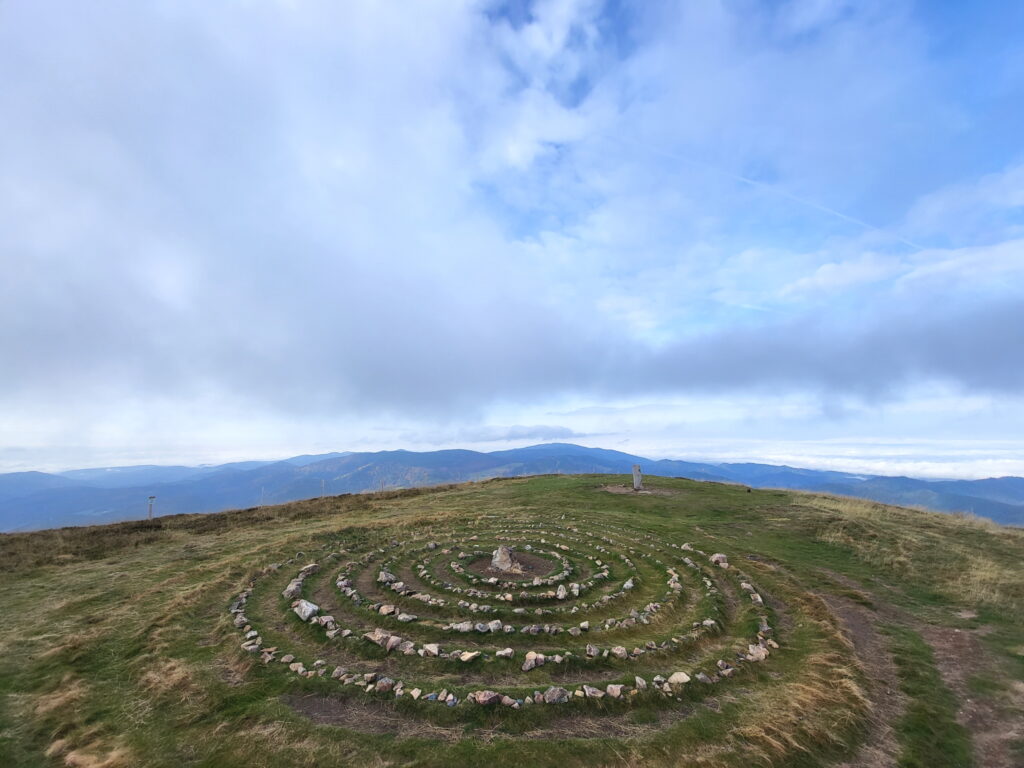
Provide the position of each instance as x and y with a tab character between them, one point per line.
453	214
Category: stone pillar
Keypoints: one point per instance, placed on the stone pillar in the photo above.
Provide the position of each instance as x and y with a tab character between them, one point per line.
638	481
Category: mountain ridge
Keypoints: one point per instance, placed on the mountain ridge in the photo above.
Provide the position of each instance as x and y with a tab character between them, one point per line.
33	500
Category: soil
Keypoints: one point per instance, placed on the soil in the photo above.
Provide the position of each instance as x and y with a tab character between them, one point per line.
380	717
887	701
530	563
628	490
959	656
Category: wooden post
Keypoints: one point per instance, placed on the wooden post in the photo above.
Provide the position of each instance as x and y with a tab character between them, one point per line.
638	481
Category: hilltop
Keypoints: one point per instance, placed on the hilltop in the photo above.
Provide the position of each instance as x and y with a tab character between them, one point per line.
694	624
33	500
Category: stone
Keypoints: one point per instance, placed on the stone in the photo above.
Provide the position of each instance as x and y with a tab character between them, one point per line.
592	693
502	560
629	583
414	694
406	617
387	610
555	695
378	636
638	480
386	578
293	590
484	698
720	560
431	649
287	658
614	690
469	655
384	685
304	609
562	593
619	652
641	684
505	653
392	642
678	679
533	659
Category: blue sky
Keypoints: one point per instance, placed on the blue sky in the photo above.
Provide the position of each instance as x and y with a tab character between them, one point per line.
788	231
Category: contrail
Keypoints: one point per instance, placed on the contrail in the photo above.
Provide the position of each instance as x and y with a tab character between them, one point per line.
771	189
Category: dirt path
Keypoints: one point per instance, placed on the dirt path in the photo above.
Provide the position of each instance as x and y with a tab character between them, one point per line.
959	656
888	703
377	717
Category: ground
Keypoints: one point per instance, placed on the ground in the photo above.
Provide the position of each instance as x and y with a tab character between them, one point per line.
900	633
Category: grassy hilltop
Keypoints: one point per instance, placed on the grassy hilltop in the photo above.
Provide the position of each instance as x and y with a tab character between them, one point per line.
843	632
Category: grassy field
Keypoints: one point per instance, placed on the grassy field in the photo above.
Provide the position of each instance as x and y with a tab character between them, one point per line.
895	637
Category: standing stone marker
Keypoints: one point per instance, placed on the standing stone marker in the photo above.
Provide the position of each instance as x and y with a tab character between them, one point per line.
638	481
501	559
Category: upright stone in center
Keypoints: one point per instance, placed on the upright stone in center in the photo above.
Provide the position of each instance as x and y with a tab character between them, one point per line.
501	559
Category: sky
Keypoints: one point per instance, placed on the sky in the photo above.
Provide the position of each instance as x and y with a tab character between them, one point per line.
778	230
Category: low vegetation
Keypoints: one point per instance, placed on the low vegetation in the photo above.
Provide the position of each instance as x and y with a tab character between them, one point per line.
841	631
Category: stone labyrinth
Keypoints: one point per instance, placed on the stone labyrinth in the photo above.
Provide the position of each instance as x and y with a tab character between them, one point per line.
514	616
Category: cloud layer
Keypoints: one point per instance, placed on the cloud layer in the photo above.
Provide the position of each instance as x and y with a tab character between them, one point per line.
321	220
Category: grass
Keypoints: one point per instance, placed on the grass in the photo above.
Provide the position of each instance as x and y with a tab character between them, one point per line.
116	648
930	735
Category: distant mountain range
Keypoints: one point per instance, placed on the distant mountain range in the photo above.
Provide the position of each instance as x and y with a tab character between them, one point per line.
33	500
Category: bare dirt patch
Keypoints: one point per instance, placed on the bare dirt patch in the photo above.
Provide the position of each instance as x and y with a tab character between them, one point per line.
887	701
628	490
379	717
531	565
959	656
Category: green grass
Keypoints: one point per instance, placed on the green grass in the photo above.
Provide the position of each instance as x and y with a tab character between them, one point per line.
929	734
116	648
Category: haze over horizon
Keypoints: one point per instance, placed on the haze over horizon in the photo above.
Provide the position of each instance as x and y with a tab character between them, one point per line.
785	232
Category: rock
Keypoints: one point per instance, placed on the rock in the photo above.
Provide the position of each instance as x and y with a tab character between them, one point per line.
392	642
384	685
505	653
293	590
494	626
678	679
641	684
387	610
378	636
287	658
304	609
614	690
502	560
720	560
592	693
386	578
555	695
619	652
415	693
562	592
431	649
629	583
533	659
700	677
406	617
469	655
593	650
484	698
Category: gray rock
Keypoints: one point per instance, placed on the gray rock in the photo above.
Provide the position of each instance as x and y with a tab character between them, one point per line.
555	695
